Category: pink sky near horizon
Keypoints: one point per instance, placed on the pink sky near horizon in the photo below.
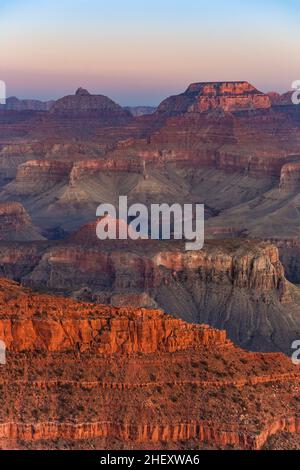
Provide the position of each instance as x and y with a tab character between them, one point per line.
141	54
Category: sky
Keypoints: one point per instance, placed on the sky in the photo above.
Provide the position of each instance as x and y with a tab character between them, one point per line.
140	51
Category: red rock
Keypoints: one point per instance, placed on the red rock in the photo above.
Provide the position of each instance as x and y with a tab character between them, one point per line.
40	175
281	100
225	125
79	374
226	96
87	168
93	105
247	274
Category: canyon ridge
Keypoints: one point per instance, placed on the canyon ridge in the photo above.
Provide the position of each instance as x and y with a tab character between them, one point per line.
117	344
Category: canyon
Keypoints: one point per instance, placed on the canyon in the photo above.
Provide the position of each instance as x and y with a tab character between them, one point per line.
94	360
224	144
88	376
235	285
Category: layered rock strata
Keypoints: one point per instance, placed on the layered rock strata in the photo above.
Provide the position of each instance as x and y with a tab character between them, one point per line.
79	375
207	96
16	225
239	286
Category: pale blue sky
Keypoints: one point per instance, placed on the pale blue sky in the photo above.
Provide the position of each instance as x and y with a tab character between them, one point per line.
141	51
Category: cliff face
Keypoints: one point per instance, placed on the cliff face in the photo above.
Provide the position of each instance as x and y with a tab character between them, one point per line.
260	270
225	96
226	127
34	176
46	325
229	125
65	193
239	286
116	271
15	223
281	100
289	251
218	143
39	175
79	375
89	168
15	104
91	105
256	143
290	177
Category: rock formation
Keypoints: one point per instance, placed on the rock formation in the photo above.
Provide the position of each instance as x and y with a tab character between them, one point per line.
86	168
223	144
79	375
15	104
15	223
92	105
82	375
281	100
208	125
37	176
290	177
239	286
208	96
289	252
